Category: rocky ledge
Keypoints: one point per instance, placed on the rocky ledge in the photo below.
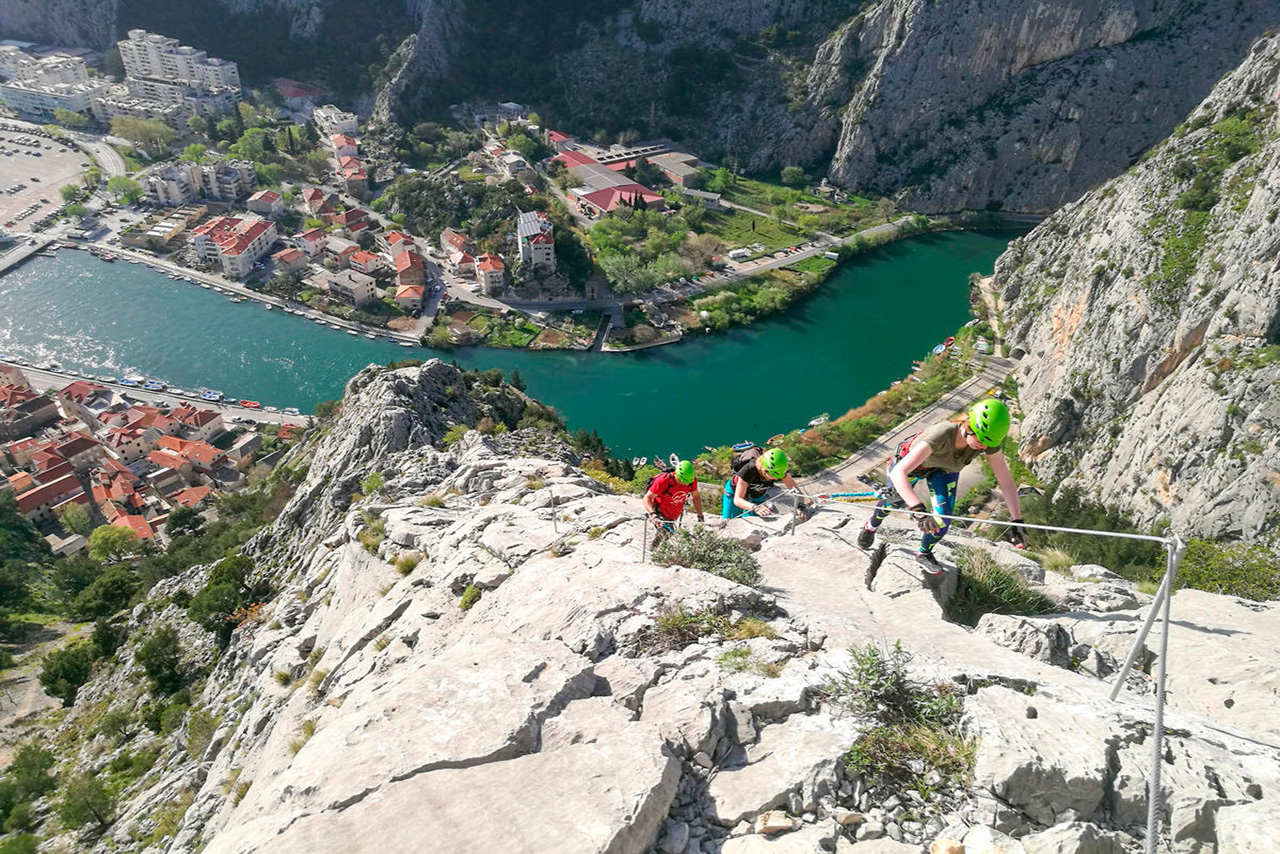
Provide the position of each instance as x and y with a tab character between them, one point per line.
476	658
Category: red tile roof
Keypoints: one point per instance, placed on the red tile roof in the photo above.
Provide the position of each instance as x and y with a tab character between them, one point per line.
489	263
268	196
408	260
410	292
557	136
574	158
456	239
191	496
342	140
542	237
138	524
233	235
50	493
396	237
349	216
364	257
76	444
192	417
296	89
12	395
311	235
288	256
611	197
80	391
166	459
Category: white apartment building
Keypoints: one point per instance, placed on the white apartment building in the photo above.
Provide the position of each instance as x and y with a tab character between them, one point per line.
177	182
116	101
150	55
162	74
234	242
330	120
38	86
49	71
348	286
34	101
537	245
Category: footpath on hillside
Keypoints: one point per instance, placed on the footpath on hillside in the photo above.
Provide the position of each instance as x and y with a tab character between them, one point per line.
843	476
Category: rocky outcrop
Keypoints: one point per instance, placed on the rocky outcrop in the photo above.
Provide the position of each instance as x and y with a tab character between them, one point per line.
477	653
61	22
1148	315
1017	106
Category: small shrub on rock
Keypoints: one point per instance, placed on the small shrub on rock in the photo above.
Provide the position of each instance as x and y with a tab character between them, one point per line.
699	548
676	628
407	562
65	670
986	587
470	597
160	657
85	799
915	722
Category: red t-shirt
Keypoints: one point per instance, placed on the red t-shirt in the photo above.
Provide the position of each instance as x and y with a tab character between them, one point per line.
670	494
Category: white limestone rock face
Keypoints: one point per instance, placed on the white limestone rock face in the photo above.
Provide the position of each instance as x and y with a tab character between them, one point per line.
561	712
606	796
804	749
1014	105
1051	765
1143	327
1072	838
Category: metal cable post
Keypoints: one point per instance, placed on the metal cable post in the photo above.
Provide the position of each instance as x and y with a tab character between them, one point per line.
1176	550
1156	604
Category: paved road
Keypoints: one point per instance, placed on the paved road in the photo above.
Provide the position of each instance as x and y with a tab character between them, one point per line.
42	379
843	477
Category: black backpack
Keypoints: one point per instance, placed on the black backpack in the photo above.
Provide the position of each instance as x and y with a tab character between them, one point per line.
745	452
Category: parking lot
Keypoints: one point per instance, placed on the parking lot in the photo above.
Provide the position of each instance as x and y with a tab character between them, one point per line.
37	167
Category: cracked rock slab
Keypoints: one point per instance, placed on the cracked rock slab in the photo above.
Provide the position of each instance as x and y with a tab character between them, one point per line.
602	797
802	752
1051	766
479	701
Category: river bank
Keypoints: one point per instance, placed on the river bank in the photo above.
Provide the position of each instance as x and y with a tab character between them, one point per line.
832	350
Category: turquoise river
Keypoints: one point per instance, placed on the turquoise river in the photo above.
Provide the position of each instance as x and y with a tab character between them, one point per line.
860	331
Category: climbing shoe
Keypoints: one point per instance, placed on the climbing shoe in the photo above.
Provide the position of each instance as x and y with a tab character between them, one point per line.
865	539
933	570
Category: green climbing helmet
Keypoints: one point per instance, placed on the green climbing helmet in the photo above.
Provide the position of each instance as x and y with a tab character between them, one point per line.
989	421
684	472
774	463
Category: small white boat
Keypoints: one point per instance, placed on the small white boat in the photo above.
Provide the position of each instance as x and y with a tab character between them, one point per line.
352	332
370	336
820	420
268	306
405	344
644	461
207	287
635	461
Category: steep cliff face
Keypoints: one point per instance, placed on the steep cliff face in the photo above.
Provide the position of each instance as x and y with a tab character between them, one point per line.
1018	105
478	657
1149	313
60	22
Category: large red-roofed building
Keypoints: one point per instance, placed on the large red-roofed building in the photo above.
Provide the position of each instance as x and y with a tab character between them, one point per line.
234	242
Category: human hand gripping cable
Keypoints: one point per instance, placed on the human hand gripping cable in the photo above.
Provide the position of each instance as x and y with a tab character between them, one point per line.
924	519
